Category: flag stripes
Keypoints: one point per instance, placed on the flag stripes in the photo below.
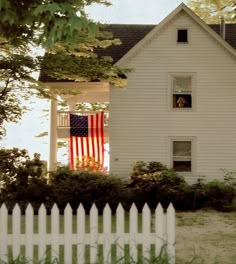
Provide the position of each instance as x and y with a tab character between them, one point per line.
87	140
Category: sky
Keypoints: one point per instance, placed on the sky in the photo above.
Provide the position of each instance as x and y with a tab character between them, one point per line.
22	135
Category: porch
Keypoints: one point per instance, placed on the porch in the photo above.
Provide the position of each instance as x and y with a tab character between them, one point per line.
72	93
63	123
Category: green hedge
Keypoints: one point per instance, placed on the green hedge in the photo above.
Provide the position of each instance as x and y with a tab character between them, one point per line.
23	181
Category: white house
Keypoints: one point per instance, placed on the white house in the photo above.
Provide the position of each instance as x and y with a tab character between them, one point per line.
179	105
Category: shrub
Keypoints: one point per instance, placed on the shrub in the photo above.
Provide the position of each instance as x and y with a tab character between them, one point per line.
153	182
22	178
86	187
221	195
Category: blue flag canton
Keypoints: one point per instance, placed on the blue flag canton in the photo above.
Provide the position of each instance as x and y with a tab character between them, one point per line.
78	125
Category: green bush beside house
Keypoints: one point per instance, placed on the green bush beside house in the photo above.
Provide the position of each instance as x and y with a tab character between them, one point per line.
23	180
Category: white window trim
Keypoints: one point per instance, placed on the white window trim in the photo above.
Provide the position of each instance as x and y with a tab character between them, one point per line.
171	76
193	152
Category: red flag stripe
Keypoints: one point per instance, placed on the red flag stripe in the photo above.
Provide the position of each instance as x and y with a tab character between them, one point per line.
91	146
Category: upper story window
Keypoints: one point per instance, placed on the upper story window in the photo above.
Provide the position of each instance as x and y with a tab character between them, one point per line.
182	36
182	91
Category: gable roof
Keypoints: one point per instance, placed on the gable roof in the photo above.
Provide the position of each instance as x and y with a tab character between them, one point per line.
134	36
156	29
130	35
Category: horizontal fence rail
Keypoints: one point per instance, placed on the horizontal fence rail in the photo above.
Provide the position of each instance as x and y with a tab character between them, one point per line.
63	117
85	238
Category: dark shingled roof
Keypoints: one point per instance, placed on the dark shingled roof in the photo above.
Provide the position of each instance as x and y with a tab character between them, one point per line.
230	33
132	34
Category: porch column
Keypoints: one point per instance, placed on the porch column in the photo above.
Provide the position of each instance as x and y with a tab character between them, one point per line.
53	135
72	104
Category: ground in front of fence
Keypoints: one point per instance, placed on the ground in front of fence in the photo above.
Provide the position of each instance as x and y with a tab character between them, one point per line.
208	235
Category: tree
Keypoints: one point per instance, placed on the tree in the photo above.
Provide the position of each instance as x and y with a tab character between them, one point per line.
212	10
62	28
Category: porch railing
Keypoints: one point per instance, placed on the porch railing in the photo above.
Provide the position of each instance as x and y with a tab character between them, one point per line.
63	117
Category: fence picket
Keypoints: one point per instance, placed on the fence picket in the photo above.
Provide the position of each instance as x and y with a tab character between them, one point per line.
146	231
164	233
68	235
55	231
80	234
171	232
160	229
16	231
3	232
120	230
93	233
42	232
107	234
29	231
133	232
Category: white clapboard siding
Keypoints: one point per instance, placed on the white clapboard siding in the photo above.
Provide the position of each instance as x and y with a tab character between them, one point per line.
156	230
142	122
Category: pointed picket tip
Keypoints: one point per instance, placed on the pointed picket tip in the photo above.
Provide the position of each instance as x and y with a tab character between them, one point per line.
159	208
42	208
93	208
133	207
3	208
29	208
16	211
107	208
80	208
68	208
120	209
55	207
16	207
170	208
145	208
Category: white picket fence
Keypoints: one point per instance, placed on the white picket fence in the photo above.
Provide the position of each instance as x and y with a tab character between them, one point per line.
30	236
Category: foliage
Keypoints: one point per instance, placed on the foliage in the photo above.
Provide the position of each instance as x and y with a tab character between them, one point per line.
46	22
87	67
212	10
88	164
22	178
85	187
71	39
92	106
153	182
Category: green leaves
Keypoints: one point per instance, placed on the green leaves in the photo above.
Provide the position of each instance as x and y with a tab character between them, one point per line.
69	36
211	10
45	22
67	67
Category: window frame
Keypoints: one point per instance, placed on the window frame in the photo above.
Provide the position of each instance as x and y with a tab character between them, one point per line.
171	77
193	153
177	35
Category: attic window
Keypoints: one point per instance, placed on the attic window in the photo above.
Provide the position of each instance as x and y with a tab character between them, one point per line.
182	36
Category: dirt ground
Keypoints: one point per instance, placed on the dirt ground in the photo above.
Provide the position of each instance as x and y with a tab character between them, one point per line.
207	237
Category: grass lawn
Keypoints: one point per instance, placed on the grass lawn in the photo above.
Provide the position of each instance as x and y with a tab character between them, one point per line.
207	236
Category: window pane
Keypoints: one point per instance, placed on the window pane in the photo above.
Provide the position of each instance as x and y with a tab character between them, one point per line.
182	35
181	166
182	84
184	100
182	148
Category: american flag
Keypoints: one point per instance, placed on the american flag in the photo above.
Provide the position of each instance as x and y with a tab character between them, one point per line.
87	140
